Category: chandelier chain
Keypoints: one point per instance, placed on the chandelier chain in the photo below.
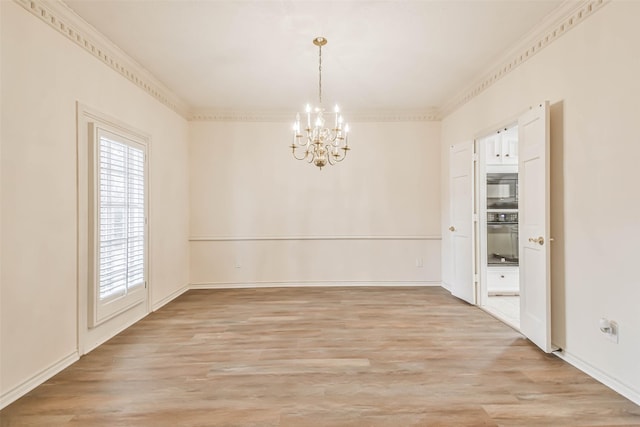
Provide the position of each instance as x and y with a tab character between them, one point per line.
320	75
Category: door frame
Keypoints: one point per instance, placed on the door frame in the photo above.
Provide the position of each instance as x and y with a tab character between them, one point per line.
480	289
481	208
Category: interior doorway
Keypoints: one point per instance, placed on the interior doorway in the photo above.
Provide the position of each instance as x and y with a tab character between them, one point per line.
498	203
533	220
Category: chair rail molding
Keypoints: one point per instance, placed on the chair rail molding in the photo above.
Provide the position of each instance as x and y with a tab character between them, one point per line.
274	238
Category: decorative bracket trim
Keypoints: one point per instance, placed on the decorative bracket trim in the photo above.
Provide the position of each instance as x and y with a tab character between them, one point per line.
429	115
554	26
62	19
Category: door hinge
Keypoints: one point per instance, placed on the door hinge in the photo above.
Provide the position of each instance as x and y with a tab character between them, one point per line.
475	217
475	157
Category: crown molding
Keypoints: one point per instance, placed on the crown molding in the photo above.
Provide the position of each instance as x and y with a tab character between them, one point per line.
204	115
208	115
427	115
61	18
556	24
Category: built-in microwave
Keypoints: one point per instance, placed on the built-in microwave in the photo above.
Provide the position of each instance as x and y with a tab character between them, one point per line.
502	191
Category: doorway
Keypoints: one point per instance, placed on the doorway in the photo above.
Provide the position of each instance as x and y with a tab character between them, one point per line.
533	218
499	290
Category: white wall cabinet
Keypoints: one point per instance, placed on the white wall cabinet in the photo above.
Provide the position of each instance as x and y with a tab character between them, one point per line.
502	148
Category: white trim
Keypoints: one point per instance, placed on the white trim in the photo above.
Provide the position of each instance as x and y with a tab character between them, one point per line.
93	114
614	384
64	20
207	115
303	284
26	386
556	24
61	18
129	323
88	337
272	238
166	300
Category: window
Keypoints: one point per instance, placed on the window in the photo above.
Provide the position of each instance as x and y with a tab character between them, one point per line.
118	222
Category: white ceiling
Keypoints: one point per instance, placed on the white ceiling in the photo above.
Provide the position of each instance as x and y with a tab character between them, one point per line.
258	55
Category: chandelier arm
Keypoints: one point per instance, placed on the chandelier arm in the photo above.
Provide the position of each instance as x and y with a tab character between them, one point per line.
346	150
338	160
312	156
302	142
329	149
300	158
296	144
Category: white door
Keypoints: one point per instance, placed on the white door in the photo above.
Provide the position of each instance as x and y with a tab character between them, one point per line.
461	228
535	303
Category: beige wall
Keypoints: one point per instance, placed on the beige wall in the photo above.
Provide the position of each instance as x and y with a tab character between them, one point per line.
590	76
43	75
259	216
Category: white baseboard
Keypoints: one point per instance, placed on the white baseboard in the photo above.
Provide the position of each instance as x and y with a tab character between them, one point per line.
169	298
39	378
597	374
302	284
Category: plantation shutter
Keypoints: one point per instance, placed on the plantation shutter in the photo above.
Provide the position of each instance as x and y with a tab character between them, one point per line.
121	224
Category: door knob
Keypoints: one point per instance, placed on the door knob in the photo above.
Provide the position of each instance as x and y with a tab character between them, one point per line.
452	228
539	240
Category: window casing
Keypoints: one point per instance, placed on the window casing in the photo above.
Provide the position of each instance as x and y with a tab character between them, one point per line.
118	223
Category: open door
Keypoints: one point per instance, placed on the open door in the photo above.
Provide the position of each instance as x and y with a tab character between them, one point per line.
533	167
461	185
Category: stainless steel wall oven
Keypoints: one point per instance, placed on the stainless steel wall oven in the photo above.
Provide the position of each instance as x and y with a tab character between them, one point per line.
502	238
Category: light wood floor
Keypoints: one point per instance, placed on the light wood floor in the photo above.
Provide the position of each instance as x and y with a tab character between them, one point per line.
320	357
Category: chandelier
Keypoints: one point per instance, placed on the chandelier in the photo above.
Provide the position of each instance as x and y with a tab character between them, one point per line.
322	145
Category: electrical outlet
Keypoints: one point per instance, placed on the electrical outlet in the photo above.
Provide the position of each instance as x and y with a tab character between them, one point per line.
614	333
419	262
610	329
238	264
